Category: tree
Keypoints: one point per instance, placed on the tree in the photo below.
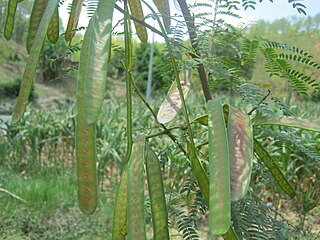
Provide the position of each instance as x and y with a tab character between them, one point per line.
222	174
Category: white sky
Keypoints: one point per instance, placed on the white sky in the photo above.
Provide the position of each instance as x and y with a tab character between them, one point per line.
266	10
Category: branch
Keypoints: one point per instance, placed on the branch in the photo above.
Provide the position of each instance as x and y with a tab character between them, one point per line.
12	195
193	39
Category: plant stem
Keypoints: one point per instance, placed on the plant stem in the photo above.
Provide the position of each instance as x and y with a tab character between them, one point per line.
193	39
262	100
166	130
129	60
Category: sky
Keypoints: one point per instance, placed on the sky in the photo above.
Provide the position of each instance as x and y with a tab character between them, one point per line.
280	9
265	10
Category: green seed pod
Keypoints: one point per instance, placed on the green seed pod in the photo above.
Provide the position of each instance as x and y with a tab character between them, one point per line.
120	210
240	138
53	30
136	11
273	168
219	167
32	62
164	8
288	122
172	103
99	40
39	6
11	12
157	197
135	191
86	163
76	7
199	172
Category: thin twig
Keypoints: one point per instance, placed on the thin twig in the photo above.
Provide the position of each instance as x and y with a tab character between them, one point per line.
12	195
140	21
262	100
166	130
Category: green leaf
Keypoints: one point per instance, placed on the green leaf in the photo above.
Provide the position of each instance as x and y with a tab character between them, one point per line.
32	62
98	39
273	168
219	167
172	103
157	197
288	122
120	209
240	138
135	191
11	12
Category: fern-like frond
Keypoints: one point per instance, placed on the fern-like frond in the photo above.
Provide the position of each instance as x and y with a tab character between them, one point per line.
299	59
185	225
253	220
284	46
91	7
250	49
281	68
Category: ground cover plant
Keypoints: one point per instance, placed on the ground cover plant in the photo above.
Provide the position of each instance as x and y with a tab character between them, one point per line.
212	162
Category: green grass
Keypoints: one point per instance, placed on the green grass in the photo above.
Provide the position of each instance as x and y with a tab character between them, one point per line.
51	211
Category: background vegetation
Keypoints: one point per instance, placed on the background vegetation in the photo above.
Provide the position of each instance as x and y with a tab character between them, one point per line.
37	166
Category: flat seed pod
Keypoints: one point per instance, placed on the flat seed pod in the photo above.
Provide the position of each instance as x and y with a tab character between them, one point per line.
240	138
135	191
53	30
11	12
99	40
32	62
136	11
86	163
288	122
172	103
157	197
273	168
164	8
76	7
219	167
203	120
39	6
120	210
199	172
86	134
